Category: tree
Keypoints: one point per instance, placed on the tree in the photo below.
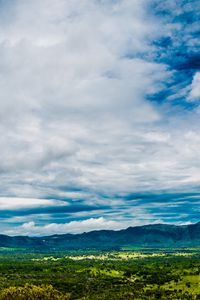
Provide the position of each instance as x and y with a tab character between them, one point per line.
32	292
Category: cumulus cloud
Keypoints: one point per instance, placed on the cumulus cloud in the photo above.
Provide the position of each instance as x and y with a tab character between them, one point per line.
31	228
77	84
101	223
92	106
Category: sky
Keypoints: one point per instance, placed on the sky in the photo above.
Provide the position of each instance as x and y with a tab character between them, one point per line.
99	114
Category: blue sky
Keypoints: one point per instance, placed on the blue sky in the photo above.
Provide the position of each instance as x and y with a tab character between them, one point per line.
99	114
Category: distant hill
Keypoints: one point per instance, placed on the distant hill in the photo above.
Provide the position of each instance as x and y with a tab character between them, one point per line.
157	235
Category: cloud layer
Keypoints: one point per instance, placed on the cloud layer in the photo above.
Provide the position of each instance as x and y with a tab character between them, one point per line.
99	100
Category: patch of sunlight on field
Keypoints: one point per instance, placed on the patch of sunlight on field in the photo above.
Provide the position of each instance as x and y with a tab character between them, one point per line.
189	283
46	258
107	272
117	256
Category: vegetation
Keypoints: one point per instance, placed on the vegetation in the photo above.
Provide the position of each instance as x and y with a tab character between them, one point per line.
32	292
149	274
155	235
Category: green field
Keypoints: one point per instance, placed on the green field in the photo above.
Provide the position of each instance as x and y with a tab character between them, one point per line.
134	274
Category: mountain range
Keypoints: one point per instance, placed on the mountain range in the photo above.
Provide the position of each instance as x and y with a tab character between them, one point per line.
156	235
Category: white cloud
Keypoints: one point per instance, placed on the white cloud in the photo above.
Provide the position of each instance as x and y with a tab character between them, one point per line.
77	87
9	203
194	94
30	228
74	81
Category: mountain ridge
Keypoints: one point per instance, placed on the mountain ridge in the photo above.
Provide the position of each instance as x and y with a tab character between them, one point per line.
151	235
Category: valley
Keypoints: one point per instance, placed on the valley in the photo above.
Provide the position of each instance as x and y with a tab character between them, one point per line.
169	273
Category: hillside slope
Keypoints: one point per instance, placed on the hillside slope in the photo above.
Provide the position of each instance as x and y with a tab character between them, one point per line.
157	235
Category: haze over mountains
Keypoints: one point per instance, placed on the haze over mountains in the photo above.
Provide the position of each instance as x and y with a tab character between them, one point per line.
157	235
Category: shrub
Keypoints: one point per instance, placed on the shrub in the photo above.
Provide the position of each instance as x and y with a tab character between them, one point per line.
32	292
